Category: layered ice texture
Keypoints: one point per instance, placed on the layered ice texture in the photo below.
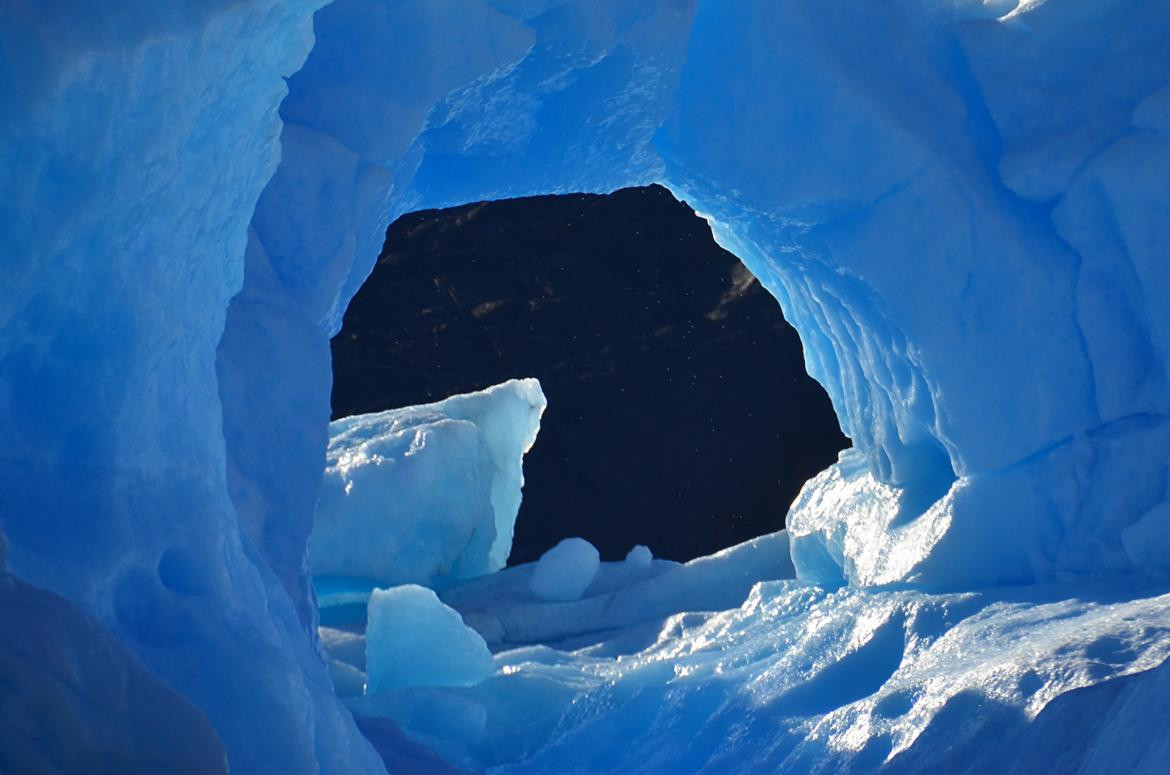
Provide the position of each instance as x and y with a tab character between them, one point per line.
960	205
426	494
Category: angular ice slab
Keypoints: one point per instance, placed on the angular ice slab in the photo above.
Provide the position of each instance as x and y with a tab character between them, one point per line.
412	639
426	494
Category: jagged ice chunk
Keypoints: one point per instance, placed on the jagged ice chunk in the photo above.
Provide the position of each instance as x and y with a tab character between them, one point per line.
412	639
426	494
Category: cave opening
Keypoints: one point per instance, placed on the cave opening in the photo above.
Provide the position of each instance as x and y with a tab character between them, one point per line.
680	415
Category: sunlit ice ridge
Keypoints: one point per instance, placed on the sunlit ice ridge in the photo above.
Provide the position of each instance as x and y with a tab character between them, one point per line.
960	205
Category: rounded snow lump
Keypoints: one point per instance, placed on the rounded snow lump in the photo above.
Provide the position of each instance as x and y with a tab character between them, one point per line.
640	556
413	639
564	572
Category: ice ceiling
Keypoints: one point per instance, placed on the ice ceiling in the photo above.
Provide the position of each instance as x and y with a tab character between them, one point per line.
961	205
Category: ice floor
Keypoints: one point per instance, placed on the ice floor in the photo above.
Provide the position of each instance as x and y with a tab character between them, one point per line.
796	678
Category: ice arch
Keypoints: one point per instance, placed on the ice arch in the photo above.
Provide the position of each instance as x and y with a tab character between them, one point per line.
960	204
998	368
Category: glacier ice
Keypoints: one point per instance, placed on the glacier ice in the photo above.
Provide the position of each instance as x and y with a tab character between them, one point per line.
75	699
565	571
136	139
503	608
640	556
960	206
804	679
426	494
413	639
623	597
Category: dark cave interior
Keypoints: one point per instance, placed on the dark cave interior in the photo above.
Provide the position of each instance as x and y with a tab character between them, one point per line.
680	415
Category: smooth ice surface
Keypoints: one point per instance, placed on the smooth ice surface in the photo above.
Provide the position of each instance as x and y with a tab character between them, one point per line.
412	639
565	571
426	494
960	205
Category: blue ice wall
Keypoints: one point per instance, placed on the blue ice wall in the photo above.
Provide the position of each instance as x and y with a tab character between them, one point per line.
136	139
941	237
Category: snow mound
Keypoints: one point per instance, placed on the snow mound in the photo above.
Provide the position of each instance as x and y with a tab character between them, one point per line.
640	556
565	571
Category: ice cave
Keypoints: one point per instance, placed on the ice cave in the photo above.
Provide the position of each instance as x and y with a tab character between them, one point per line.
962	206
632	319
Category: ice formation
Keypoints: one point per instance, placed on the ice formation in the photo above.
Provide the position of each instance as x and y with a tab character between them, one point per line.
426	494
137	138
623	597
960	205
74	699
565	571
640	556
412	639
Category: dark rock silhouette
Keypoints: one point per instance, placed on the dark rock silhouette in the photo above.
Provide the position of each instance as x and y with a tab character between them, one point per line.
680	415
